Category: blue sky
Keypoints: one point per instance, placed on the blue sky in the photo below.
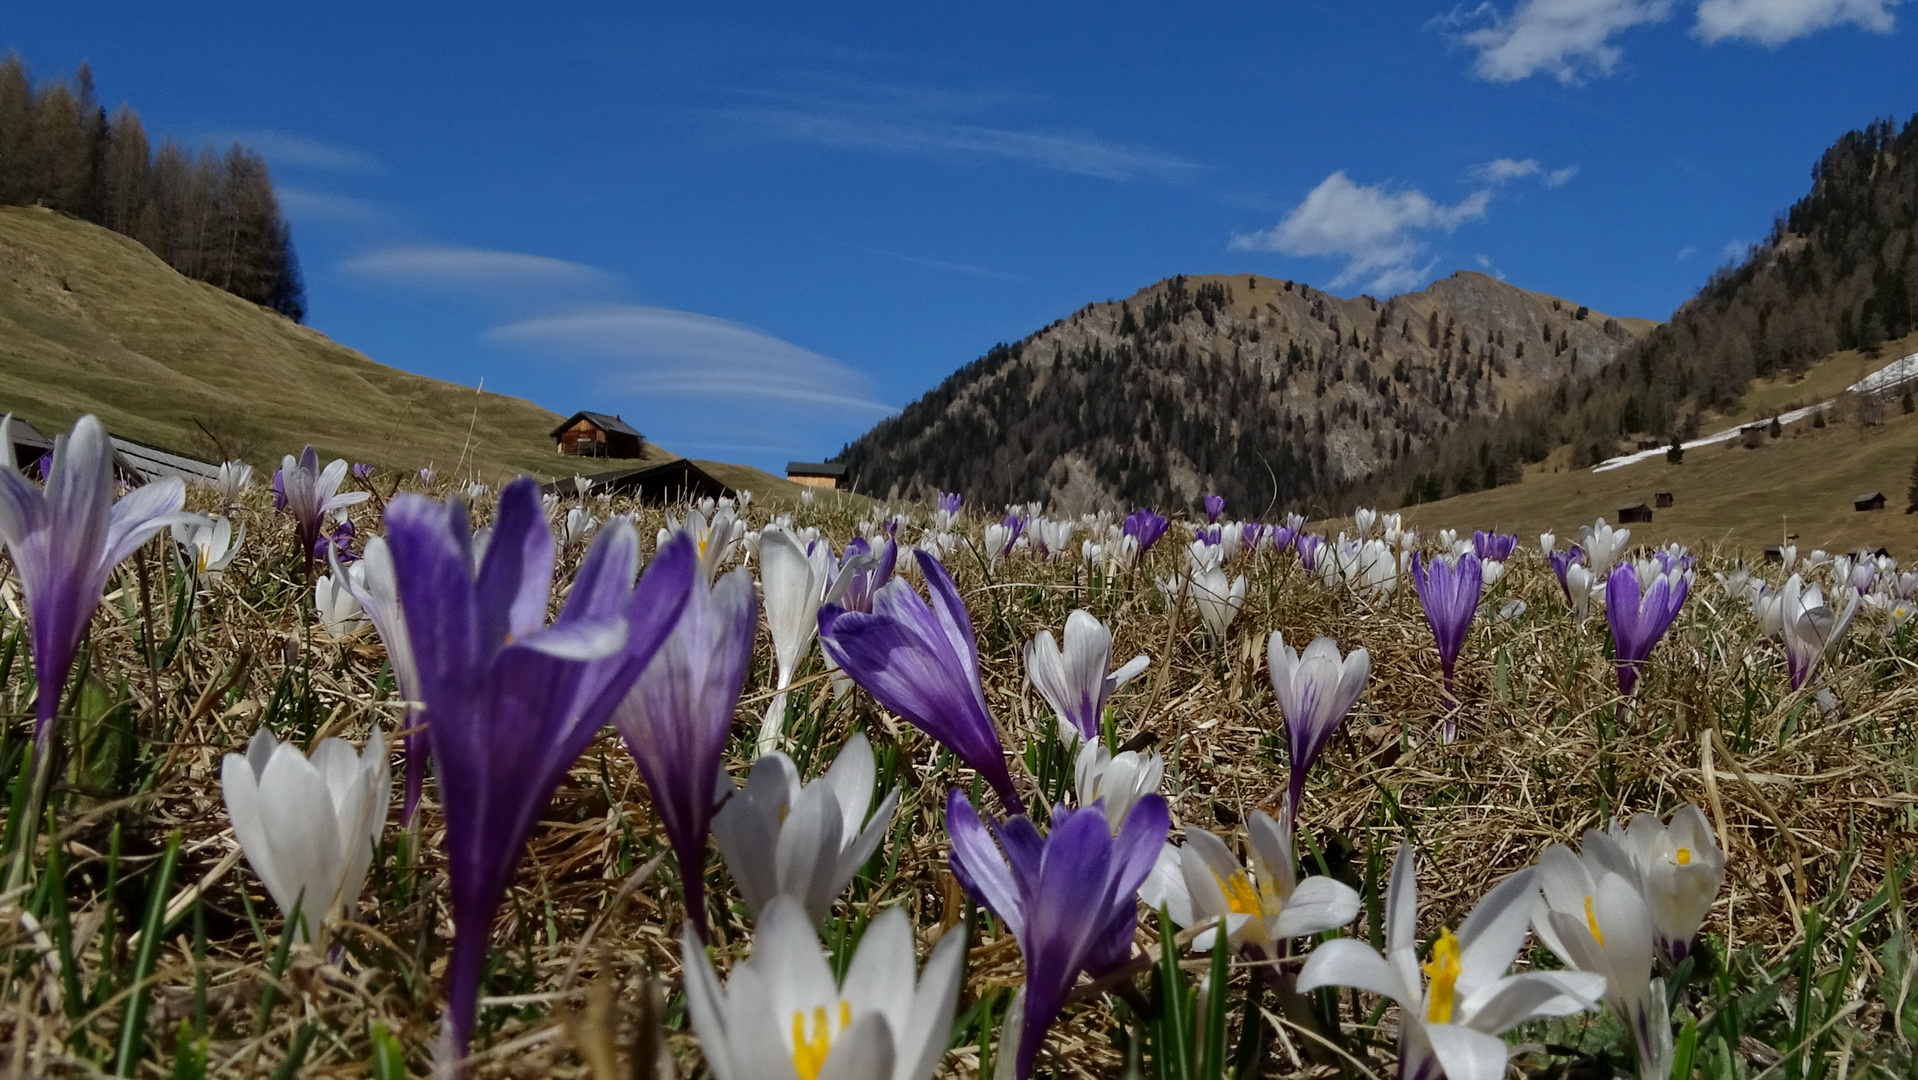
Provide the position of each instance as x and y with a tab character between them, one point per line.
754	230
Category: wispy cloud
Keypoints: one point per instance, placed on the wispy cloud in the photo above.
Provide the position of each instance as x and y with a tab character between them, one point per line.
1686	253
962	269
1774	22
927	123
1503	169
312	205
282	148
1735	251
658	351
435	266
1567	39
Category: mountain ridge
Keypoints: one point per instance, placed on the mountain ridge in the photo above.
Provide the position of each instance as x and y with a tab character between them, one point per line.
1235	376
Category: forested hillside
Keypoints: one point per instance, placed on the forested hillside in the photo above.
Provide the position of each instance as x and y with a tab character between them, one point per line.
1839	270
1269	392
211	214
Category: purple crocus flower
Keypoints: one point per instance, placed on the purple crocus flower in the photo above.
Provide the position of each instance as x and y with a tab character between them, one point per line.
1494	547
1449	590
1563	561
43	468
863	574
1640	616
1015	524
949	501
923	663
510	702
362	471
1068	897
1316	690
1214	506
676	718
1308	544
1283	537
337	543
65	542
311	494
1146	527
279	491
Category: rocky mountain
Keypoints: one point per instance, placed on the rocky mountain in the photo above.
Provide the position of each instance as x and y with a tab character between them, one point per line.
1269	392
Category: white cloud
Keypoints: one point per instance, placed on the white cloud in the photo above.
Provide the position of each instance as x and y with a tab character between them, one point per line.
657	351
1560	177
962	269
468	268
300	202
1774	22
300	151
1374	229
1735	252
1564	38
1686	253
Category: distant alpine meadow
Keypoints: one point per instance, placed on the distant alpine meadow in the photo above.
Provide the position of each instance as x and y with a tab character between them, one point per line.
342	772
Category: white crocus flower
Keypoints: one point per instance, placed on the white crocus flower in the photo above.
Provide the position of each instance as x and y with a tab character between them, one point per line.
308	826
1057	535
577	527
1896	612
1677	868
1593	919
1603	545
794	582
1231	540
1454	1016
1584	586
805	497
1364	520
1491	572
211	544
1217	599
233	480
1547	543
715	531
1810	629
1120	779
782	1014
782	838
1074	681
337	609
1262	909
998	536
1788	556
477	492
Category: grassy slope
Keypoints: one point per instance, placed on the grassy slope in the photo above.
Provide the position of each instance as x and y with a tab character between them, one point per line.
1802	483
91	321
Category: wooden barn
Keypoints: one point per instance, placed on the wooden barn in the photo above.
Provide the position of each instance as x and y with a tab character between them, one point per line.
1870	500
820	474
1636	513
591	434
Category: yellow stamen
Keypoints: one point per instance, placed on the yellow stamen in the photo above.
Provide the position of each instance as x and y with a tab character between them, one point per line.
1239	894
809	1055
1443	970
1591	921
1684	856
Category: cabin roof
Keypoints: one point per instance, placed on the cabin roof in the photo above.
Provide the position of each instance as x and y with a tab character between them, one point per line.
603	421
815	468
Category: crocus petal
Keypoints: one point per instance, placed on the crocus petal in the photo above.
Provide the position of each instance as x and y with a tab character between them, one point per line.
1466	1054
1346	962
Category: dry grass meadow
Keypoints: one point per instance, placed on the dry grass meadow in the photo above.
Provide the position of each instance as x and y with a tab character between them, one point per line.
1808	970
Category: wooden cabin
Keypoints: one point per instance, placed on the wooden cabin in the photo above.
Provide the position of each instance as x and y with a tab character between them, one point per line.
591	434
1871	500
819	474
1662	500
1637	513
1752	435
